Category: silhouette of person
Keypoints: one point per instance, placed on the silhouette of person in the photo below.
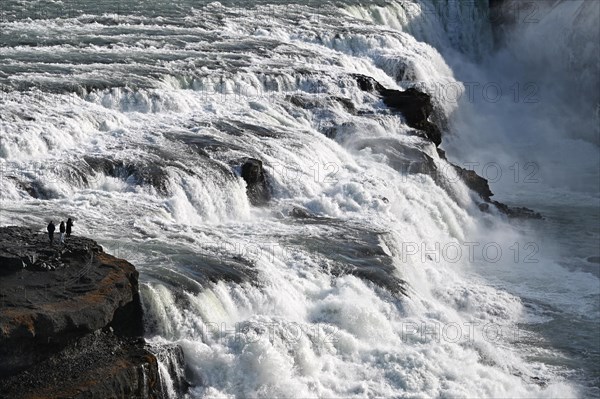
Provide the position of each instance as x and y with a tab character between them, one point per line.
62	232
69	227
51	229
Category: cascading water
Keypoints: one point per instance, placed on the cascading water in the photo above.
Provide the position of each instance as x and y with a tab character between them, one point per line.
135	120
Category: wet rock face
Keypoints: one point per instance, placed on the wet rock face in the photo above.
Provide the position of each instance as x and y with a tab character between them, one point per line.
257	187
402	157
475	183
98	365
367	83
34	188
143	173
310	102
70	321
300	213
414	105
355	252
517	211
417	107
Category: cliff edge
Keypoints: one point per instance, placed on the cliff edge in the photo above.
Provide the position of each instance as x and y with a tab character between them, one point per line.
70	321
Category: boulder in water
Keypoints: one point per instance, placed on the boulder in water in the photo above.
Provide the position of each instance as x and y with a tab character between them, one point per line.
257	187
300	213
367	83
517	211
140	172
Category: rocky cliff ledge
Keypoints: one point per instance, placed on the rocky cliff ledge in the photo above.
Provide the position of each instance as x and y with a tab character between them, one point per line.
70	321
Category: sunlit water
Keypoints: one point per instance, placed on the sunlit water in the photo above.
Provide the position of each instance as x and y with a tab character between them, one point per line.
263	304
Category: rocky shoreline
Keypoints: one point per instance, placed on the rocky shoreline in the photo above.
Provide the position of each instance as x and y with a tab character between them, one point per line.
417	109
70	321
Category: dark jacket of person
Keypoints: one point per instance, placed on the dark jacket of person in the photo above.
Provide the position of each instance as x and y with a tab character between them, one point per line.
62	227
69	226
51	229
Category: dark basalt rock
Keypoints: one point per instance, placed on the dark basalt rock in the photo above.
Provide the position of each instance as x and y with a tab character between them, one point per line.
82	172
346	103
367	83
238	128
144	173
300	213
403	158
256	130
414	105
517	211
310	102
482	187
171	356
98	365
257	187
204	146
357	253
475	183
68	291
213	269
52	309
34	188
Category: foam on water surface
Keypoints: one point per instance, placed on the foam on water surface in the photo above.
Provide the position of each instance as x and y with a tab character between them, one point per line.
264	304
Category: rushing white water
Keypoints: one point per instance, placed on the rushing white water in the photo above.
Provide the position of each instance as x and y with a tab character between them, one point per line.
538	116
264	304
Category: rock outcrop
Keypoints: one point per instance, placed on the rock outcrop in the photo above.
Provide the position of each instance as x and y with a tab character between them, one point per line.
475	183
138	172
416	108
414	105
99	365
257	188
70	321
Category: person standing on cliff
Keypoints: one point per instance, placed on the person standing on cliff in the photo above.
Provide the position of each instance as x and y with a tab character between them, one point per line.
69	227
51	229
62	232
